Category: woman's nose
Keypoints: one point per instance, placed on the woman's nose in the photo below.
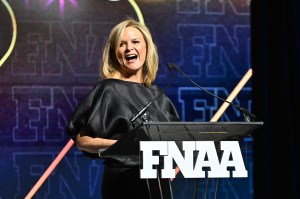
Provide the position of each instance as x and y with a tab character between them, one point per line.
129	47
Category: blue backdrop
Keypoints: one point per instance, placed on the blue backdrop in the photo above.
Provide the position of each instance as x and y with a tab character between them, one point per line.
55	62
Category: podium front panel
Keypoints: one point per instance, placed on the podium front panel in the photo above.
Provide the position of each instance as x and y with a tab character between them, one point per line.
179	131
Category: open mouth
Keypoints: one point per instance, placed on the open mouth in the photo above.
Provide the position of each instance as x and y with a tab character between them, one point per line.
131	57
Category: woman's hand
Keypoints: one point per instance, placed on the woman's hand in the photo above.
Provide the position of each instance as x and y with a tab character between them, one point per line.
92	145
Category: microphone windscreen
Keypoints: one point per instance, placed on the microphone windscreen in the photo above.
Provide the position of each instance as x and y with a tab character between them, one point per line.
170	66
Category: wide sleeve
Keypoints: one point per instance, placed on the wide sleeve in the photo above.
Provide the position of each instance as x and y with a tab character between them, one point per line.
80	117
102	113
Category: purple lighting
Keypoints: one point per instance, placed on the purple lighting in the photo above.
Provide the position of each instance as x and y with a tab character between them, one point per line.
61	4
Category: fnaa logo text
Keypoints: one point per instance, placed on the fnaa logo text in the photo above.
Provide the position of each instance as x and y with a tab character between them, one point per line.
198	159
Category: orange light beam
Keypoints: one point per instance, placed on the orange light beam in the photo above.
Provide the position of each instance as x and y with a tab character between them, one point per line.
50	169
233	94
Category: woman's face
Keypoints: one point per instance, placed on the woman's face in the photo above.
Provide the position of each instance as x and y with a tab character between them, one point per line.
132	51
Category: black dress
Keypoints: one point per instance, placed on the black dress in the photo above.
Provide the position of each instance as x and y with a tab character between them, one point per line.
106	112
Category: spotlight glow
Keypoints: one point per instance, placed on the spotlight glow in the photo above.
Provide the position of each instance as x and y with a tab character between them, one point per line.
62	4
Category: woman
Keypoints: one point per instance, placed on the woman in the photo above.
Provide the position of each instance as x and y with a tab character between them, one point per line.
128	70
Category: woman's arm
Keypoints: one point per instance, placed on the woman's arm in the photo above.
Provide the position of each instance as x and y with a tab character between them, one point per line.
92	145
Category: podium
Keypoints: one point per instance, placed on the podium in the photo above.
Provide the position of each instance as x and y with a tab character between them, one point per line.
128	146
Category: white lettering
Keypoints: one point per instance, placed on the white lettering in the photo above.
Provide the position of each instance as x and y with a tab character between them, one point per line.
203	152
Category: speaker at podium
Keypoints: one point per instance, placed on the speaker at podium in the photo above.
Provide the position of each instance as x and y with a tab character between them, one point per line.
128	146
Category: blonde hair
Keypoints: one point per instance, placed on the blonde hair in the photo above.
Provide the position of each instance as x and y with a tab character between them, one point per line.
111	65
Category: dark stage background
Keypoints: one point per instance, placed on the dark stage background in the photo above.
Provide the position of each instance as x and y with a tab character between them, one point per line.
55	61
275	33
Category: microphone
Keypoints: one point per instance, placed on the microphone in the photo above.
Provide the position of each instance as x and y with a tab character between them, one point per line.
247	115
143	110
